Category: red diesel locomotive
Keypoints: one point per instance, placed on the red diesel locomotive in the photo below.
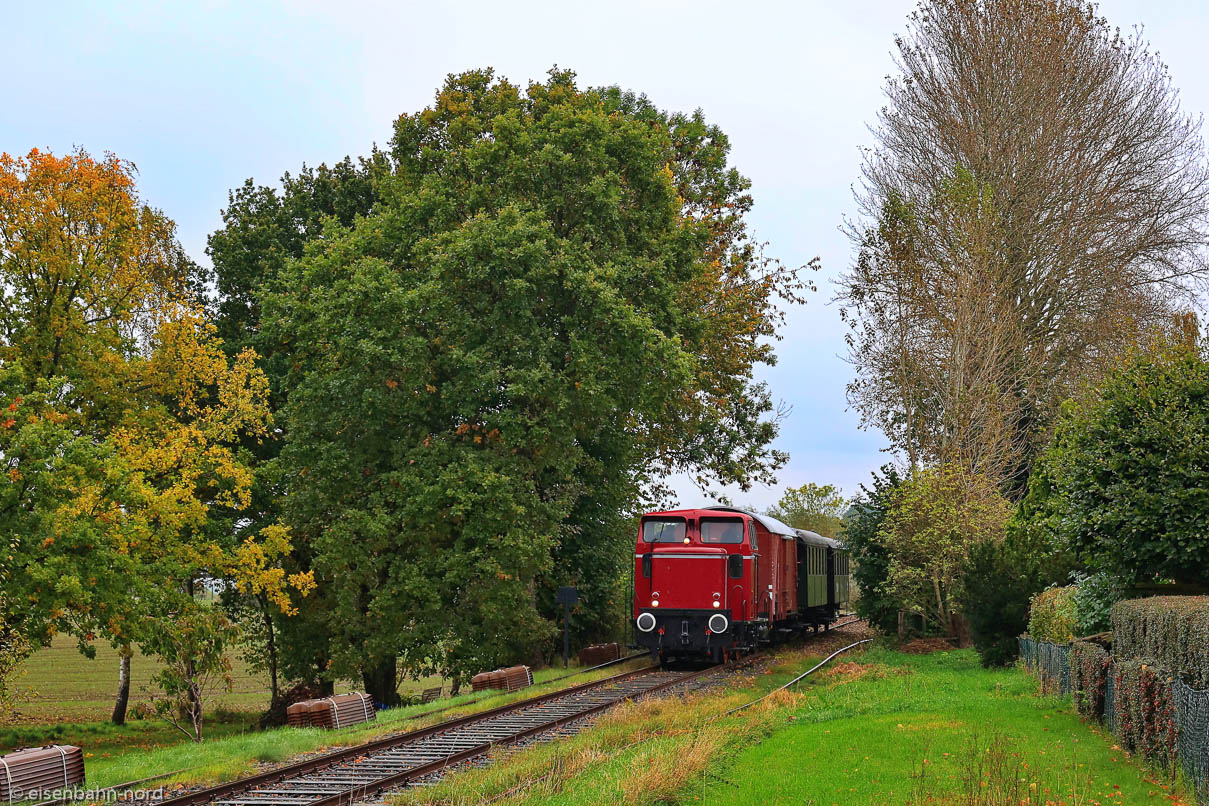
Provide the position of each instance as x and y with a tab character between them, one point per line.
716	581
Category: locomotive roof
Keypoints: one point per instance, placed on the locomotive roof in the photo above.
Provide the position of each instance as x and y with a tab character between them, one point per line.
767	521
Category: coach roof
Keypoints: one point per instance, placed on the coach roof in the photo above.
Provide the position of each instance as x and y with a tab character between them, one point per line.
816	539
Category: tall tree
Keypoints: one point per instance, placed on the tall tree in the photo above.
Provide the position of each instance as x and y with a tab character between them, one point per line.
1035	201
124	414
817	507
264	228
553	301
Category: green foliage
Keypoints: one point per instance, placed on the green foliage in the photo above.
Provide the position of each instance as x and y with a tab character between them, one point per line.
936	516
1052	616
1171	632
1001	576
1122	482
552	303
816	507
1095	595
871	557
1089	665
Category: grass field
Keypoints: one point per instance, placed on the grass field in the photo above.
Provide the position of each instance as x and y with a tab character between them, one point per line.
58	685
148	748
880	727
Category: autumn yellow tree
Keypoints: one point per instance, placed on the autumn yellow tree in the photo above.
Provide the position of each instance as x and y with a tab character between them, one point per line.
123	419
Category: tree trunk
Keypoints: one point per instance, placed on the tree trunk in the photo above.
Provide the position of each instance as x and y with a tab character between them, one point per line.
123	697
381	683
457	685
271	648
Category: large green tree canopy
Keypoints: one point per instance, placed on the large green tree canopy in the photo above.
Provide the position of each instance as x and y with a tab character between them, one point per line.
552	302
1123	483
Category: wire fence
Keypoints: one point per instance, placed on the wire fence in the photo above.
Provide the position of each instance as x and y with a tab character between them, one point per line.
1051	663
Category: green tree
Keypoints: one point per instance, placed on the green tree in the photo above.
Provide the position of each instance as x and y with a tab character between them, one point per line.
122	413
554	302
819	508
936	516
1122	482
264	228
870	556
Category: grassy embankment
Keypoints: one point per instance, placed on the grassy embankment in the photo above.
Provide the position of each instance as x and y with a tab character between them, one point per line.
880	727
231	756
66	698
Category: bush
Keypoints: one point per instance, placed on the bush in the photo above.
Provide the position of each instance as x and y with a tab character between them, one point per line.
1000	578
938	514
1125	470
1089	665
1145	712
1094	598
1052	616
1171	632
870	557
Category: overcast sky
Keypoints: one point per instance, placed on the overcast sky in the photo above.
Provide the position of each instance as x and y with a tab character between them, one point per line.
203	95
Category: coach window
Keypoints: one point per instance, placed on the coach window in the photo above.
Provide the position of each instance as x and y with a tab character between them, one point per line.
751	531
719	530
663	530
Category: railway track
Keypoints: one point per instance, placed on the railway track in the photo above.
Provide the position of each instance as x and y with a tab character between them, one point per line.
356	773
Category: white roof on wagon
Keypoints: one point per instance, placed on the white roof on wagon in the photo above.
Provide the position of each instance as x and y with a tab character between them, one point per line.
807	536
767	521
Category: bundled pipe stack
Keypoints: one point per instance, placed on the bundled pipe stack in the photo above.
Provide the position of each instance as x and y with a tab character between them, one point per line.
40	769
339	711
510	679
597	654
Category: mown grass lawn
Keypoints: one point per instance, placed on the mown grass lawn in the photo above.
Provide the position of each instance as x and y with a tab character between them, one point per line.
878	727
895	728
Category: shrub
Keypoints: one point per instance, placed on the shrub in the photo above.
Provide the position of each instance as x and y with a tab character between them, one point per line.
1145	712
870	557
1089	665
1094	597
1171	632
1126	468
1052	615
937	515
1000	578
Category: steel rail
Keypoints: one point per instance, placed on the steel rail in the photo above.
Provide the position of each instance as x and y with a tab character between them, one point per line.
346	798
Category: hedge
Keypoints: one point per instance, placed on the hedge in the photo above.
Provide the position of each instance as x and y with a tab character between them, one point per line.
1145	712
1089	669
1051	615
1171	632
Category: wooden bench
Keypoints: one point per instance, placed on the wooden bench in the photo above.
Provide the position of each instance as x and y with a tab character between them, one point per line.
430	694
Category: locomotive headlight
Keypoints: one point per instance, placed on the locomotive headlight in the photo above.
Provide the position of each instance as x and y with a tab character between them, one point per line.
686	541
717	603
718	623
646	622
654	603
717	597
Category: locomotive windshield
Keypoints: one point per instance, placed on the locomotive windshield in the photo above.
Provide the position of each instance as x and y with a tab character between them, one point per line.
721	530
663	530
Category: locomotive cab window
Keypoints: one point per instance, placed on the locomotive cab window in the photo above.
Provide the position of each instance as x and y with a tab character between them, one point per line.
721	530
751	531
664	530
